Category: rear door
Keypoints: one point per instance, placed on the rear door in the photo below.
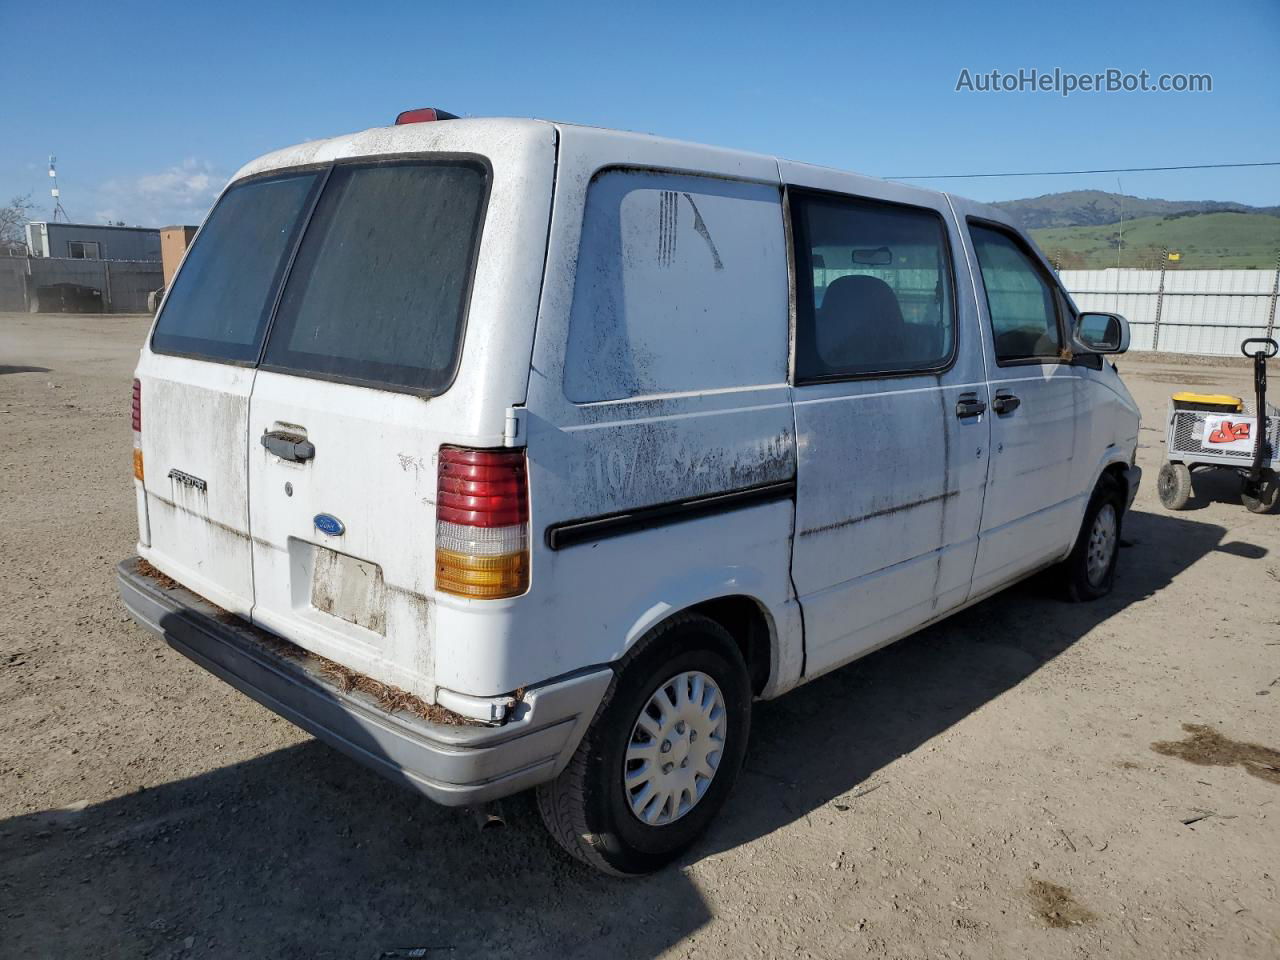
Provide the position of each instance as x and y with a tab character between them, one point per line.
355	303
405	323
890	401
346	417
196	375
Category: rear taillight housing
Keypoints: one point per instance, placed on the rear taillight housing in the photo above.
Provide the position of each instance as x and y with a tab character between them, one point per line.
137	429
482	523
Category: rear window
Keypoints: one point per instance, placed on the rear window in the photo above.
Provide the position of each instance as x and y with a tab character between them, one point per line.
219	305
377	292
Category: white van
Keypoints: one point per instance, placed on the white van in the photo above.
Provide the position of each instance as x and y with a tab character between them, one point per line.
504	453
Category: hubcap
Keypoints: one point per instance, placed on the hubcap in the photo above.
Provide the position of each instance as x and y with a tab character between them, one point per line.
1102	544
675	748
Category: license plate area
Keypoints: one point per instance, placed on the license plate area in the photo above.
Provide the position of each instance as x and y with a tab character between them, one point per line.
349	589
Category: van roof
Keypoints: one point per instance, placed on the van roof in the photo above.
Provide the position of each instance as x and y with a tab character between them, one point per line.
419	137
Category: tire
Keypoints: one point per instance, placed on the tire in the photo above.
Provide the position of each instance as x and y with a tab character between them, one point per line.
1173	484
588	808
1091	567
1263	497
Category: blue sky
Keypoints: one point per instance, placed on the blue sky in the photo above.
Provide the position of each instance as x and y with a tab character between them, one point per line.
150	107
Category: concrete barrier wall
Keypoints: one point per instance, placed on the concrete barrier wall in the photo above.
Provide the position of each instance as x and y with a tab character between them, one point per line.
13	283
122	285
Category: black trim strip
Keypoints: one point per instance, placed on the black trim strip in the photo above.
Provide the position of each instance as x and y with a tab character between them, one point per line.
590	529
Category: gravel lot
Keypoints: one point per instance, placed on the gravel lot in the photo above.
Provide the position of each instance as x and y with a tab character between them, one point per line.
987	788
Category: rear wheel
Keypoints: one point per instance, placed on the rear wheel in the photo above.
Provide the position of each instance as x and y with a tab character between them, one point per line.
1091	567
1173	484
661	755
1261	497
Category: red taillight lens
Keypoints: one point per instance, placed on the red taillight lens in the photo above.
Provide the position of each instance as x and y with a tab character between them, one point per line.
482	523
423	115
137	429
482	488
137	404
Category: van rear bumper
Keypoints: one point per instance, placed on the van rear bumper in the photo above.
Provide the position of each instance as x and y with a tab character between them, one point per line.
454	765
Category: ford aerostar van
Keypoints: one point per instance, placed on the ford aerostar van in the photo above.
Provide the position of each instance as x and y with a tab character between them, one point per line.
508	454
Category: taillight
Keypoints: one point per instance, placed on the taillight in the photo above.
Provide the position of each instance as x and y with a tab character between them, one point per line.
137	429
482	523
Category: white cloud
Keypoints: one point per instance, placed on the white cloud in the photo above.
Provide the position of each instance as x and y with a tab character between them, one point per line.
180	194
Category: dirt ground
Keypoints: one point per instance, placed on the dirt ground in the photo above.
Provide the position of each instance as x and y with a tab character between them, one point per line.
1016	782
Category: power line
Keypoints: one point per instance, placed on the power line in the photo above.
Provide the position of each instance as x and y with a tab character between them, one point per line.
1069	173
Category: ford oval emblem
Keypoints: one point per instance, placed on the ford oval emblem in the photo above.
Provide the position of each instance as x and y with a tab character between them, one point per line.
328	524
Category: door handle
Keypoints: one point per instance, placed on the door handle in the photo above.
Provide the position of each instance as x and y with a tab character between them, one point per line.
970	406
288	446
1005	403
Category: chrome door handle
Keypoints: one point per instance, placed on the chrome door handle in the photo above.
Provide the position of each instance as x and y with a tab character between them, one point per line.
970	406
1005	403
288	446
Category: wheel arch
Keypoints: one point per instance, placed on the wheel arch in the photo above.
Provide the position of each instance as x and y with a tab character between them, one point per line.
746	617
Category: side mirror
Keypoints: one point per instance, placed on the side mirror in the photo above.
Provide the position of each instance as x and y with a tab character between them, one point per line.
1100	333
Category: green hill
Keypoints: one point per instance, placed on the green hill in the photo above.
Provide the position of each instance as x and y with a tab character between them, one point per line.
1205	240
1079	208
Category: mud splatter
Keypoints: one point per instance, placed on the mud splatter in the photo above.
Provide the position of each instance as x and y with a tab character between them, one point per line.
1206	747
887	511
1055	905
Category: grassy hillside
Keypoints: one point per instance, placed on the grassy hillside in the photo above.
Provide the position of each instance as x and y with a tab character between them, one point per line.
1206	241
1078	208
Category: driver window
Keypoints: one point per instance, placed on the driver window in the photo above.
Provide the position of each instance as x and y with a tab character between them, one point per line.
1022	304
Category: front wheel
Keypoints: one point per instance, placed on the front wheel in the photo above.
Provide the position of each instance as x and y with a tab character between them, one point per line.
661	754
1091	567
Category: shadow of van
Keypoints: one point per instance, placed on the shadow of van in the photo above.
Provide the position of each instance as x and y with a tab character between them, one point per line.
303	853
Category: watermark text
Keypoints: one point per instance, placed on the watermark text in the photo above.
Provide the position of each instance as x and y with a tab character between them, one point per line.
1065	83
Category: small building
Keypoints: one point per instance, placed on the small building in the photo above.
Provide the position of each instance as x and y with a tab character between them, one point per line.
92	241
173	244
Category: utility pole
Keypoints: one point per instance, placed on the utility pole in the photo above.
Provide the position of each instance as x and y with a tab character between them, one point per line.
58	209
1120	242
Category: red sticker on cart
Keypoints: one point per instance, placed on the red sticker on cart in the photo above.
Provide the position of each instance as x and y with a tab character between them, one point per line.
1229	433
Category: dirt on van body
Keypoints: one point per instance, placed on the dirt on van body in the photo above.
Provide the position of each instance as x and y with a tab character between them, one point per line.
987	788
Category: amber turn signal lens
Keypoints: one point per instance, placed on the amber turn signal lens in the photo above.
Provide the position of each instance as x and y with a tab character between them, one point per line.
482	578
137	463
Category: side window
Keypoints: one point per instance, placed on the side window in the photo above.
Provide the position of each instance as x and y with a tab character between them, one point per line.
82	250
1021	300
681	286
873	288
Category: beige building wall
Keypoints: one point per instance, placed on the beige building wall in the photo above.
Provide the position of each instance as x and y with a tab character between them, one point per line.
173	244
